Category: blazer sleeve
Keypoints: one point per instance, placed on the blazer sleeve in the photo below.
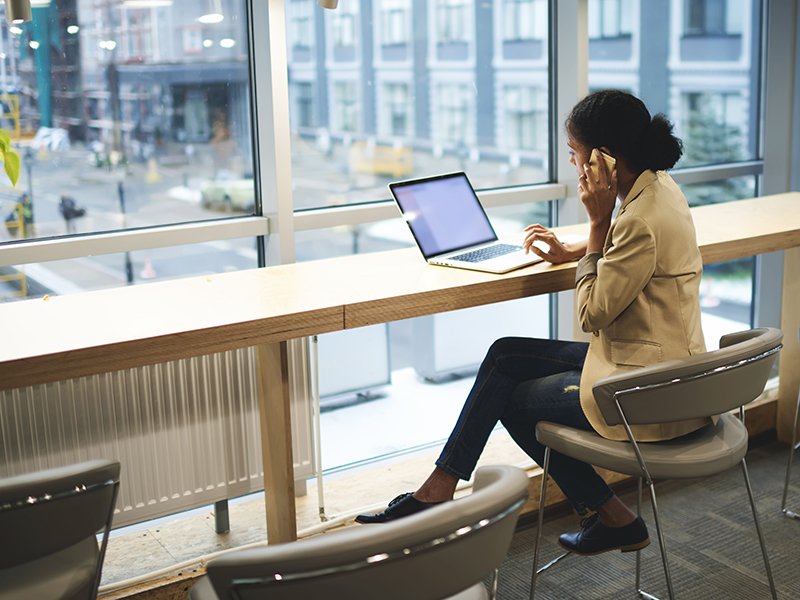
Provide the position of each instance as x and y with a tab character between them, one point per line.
627	265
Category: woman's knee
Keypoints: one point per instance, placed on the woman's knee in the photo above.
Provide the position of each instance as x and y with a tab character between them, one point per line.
503	346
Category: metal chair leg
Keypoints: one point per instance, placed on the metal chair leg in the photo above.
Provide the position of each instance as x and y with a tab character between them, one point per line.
786	512
758	530
661	542
638	552
541	520
493	588
542	494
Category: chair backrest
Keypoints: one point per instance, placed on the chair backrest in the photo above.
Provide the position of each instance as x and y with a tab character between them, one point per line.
45	512
703	385
431	555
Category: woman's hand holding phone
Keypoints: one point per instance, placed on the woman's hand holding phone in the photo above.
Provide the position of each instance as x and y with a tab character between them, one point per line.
597	187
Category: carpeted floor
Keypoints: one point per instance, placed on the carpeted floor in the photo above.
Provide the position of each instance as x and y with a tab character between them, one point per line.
711	542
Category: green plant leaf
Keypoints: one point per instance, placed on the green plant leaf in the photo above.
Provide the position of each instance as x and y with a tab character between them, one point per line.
11	163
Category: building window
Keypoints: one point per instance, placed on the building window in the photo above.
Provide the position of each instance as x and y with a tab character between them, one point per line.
396	117
453	115
610	18
343	25
394	22
713	17
525	117
301	23
345	106
453	20
193	40
524	20
304	104
714	127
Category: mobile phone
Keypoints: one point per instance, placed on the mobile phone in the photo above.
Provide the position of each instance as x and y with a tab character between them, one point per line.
593	164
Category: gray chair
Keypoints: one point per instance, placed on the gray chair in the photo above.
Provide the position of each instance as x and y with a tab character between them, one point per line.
712	383
795	445
49	522
443	552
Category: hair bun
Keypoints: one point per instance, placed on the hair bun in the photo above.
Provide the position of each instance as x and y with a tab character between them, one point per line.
660	148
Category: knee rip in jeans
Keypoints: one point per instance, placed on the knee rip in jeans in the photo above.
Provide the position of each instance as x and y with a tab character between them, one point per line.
571	388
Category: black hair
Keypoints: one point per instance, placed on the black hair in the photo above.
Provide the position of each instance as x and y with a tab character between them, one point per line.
621	122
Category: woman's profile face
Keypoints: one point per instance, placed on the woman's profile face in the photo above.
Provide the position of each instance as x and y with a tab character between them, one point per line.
579	154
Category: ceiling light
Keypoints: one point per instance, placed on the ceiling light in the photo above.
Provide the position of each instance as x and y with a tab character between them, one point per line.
213	14
146	3
227	43
208	43
73	29
18	11
33	44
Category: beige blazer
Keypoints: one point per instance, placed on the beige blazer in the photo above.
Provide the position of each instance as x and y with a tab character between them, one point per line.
640	298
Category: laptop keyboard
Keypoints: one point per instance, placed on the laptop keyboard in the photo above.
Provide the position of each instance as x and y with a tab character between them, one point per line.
486	253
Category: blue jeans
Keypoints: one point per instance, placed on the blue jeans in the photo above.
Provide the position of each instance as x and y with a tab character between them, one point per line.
554	396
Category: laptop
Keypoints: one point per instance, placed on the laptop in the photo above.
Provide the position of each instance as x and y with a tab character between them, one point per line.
451	228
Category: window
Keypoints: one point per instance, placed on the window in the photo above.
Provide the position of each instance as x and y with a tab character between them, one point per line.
714	127
394	22
301	23
137	133
526	117
524	20
610	18
345	105
303	104
453	21
396	117
713	17
343	24
454	114
407	114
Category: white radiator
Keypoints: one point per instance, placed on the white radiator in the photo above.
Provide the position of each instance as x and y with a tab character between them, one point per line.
186	432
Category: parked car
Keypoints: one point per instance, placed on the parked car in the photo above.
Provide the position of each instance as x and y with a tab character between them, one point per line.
228	194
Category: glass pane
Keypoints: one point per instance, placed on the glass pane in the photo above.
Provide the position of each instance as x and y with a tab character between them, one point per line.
402	369
61	277
701	69
726	291
468	90
127	114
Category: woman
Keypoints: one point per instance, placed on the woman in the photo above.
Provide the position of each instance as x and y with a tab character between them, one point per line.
637	292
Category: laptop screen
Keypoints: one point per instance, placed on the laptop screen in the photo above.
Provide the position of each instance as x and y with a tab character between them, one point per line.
443	212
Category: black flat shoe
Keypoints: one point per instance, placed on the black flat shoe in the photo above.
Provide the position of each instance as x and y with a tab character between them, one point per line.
594	537
402	506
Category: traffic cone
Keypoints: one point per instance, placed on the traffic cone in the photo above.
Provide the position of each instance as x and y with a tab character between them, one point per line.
152	175
148	272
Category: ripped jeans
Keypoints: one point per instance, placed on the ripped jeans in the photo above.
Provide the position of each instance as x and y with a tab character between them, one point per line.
556	366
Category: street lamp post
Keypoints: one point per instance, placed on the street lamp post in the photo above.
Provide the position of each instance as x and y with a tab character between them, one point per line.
128	264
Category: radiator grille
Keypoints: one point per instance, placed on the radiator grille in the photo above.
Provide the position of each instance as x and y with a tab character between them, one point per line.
186	432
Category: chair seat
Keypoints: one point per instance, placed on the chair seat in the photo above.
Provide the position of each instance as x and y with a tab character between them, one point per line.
705	452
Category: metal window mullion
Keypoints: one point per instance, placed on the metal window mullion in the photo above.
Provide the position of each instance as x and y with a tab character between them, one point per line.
369	213
44	250
569	82
713	173
272	143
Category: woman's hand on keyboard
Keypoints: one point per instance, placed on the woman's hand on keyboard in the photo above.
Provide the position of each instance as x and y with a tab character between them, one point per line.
543	242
